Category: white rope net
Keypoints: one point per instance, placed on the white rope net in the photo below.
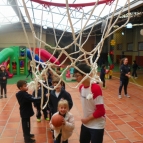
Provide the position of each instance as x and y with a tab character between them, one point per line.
84	55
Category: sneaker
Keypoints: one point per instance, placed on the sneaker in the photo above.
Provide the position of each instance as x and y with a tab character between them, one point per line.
38	120
1	96
127	95
31	135
47	119
119	96
104	87
5	96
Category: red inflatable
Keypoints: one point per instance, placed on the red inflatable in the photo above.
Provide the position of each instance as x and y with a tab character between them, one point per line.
45	56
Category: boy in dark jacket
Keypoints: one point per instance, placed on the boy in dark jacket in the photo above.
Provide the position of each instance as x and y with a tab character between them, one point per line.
26	111
58	94
3	81
37	104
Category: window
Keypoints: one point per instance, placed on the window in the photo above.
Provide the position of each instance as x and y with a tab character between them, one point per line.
140	46
119	46
130	46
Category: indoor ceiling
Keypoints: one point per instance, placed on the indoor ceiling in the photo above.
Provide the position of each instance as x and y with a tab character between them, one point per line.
53	16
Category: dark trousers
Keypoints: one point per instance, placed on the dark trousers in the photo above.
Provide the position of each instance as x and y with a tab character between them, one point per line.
26	127
38	114
103	80
29	74
88	135
58	139
125	84
134	73
3	87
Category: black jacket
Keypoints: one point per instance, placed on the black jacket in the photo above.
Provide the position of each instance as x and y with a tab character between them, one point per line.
135	66
25	101
124	69
3	74
53	100
102	73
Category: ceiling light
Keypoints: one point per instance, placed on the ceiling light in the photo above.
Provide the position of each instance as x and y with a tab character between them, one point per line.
129	25
45	27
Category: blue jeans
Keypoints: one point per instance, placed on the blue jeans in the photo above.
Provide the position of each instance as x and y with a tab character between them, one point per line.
88	135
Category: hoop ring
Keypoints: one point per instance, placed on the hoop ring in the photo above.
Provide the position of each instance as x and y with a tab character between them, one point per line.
45	3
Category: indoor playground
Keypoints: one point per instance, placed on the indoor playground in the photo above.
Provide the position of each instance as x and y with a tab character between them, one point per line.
48	39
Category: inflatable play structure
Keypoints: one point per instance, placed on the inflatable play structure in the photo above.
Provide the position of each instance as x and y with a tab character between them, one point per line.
70	75
109	71
15	59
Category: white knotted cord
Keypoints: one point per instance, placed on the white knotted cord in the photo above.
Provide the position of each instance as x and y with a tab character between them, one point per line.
76	37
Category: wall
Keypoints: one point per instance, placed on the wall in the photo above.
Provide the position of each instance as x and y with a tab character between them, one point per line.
130	36
50	39
13	36
89	45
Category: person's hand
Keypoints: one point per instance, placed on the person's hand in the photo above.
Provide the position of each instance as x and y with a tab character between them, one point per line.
63	122
129	76
85	120
4	77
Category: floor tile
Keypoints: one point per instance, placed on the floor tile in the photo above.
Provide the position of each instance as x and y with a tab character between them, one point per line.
6	140
139	130
124	118
9	133
117	135
123	141
134	124
133	136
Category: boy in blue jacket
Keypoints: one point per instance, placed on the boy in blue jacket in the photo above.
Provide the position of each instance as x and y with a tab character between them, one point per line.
26	111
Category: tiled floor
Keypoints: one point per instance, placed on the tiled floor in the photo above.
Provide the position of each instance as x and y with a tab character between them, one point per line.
124	122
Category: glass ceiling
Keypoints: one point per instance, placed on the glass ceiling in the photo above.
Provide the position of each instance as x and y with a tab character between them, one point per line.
54	17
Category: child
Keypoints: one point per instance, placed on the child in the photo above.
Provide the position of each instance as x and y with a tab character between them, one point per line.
93	121
49	74
44	78
63	132
62	83
26	111
45	82
37	104
135	67
3	81
29	71
102	74
58	94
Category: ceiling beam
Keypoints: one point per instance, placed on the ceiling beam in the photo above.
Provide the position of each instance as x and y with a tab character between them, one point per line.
13	4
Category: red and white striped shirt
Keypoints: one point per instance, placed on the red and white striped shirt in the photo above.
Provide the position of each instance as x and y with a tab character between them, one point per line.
93	106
